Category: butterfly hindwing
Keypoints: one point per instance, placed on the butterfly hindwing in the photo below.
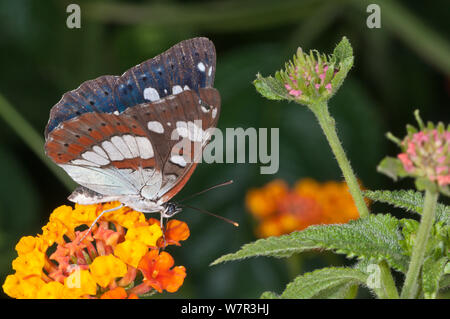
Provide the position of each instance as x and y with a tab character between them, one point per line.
189	116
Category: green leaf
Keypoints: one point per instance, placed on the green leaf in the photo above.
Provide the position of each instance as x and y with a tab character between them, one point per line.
445	282
343	59
432	272
271	88
343	51
269	295
375	237
392	167
410	200
324	283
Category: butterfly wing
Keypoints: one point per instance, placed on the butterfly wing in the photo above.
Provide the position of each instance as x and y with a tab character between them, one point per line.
102	135
179	126
188	65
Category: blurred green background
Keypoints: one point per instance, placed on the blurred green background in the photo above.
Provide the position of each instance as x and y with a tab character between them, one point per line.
402	66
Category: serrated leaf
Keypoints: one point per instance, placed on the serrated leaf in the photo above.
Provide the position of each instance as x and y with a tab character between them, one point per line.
323	283
392	167
432	272
271	88
410	200
279	247
374	237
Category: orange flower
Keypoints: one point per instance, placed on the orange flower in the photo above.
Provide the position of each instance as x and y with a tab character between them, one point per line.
58	264
118	293
281	210
174	232
156	268
263	202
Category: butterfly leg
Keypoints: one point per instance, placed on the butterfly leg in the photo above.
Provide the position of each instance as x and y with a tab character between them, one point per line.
161	223
98	217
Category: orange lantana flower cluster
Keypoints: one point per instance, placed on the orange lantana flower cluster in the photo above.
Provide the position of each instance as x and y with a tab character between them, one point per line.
281	210
122	257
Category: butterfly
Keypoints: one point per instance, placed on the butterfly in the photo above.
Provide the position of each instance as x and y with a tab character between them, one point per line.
114	135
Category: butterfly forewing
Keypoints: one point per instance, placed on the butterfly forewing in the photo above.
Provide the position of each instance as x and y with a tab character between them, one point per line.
188	65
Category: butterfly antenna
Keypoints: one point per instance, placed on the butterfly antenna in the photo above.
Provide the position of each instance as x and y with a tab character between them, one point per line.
209	213
206	190
98	217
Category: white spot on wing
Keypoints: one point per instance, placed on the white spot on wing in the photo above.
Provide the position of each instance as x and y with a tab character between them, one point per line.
145	147
97	149
214	113
177	89
201	67
94	158
195	132
120	144
186	88
179	160
83	162
112	151
210	71
182	129
151	94
132	145
155	126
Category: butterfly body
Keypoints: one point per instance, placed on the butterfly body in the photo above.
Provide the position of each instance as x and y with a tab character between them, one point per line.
115	135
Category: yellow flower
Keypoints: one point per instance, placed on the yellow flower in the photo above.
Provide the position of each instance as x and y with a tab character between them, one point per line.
30	263
29	243
131	252
105	269
16	287
51	290
84	214
145	234
64	263
80	282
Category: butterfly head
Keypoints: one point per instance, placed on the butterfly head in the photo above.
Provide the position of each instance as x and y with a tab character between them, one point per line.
171	209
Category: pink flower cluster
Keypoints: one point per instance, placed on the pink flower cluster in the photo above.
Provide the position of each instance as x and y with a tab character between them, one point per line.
316	78
427	154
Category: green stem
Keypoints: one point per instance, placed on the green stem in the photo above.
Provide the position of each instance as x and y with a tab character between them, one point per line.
329	128
33	140
420	244
388	289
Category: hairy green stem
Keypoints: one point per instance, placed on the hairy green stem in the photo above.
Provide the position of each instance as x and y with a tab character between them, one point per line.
329	128
388	290
420	244
33	140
